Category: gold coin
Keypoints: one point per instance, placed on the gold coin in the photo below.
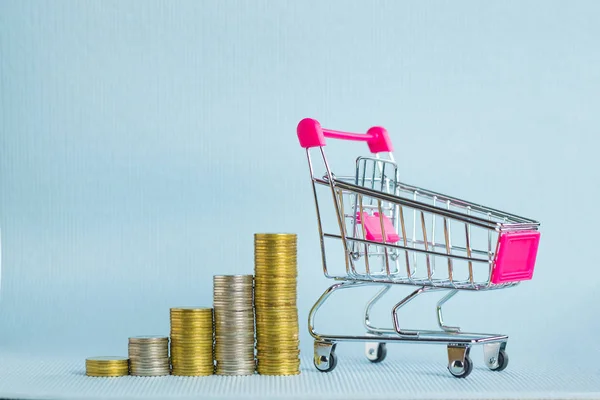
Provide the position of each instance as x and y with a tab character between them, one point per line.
262	365
115	368
190	367
278	371
275	303
107	366
192	362
193	372
188	351
191	321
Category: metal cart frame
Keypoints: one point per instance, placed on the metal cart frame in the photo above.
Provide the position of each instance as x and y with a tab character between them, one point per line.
494	250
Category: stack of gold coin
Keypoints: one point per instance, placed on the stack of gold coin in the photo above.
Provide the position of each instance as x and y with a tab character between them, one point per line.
234	325
107	366
275	272
149	356
192	341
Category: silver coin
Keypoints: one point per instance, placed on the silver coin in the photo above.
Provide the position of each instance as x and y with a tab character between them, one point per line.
148	357
149	353
150	362
233	278
233	308
233	311
164	345
232	295
225	320
221	291
240	292
242	368
150	372
233	303
149	347
237	364
235	346
234	356
230	312
151	358
224	293
148	338
149	367
234	331
225	315
232	338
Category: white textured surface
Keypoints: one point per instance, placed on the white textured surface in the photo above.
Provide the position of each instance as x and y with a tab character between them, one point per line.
354	378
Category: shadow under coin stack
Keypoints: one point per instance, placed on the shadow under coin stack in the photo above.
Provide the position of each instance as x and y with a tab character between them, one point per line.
149	356
275	274
107	366
192	341
234	325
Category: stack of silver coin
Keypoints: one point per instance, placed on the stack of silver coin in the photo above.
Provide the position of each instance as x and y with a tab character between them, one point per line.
149	356
234	324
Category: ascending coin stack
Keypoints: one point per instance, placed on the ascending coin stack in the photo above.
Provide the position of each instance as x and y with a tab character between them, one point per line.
234	324
266	315
275	270
149	356
192	341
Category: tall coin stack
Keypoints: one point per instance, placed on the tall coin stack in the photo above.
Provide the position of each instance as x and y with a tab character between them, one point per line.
192	341
234	324
107	366
275	272
149	356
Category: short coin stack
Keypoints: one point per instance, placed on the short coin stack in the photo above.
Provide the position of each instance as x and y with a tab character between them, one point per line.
192	341
234	325
107	366
149	356
275	274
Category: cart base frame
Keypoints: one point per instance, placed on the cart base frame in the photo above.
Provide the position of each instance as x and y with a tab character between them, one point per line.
458	343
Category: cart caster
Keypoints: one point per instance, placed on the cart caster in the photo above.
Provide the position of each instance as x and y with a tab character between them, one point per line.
459	362
502	361
325	359
375	351
495	356
461	369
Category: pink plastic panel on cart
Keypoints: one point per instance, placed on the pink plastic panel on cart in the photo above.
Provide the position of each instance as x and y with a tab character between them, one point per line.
516	256
372	225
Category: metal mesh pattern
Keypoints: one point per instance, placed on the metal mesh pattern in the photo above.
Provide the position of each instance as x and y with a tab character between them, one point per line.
355	378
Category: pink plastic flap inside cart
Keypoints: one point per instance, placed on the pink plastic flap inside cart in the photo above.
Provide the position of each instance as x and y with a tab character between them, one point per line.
515	259
372	224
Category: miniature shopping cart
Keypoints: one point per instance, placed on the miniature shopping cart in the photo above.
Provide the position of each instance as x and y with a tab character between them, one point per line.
394	233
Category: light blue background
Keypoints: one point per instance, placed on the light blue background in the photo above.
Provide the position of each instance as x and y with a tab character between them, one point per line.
142	144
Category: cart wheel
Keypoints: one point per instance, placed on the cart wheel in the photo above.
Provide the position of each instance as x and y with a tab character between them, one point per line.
502	361
461	369
327	364
376	352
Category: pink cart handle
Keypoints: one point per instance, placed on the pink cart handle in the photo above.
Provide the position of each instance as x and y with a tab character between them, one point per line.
310	134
